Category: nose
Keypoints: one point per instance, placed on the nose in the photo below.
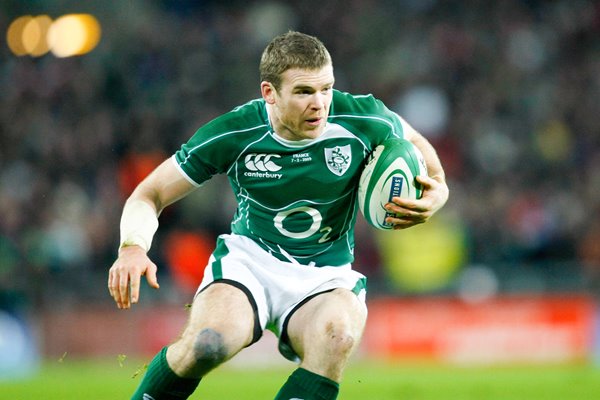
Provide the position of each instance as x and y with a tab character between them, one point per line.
318	101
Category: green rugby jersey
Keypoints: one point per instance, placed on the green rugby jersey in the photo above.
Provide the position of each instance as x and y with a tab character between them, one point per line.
295	198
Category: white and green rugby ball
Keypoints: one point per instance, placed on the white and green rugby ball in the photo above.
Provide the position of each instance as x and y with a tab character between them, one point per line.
390	172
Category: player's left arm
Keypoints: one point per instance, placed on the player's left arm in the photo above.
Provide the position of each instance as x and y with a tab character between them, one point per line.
435	193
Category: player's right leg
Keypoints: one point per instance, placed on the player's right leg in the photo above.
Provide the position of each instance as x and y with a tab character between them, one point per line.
221	323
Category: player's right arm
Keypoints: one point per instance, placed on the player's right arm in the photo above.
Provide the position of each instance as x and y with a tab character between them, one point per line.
139	221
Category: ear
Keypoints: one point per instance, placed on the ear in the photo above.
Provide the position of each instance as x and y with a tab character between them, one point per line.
268	92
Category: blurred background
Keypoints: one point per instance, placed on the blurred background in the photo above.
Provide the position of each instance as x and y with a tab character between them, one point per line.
508	92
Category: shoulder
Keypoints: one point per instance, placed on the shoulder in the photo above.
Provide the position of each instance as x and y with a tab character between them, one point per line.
244	118
347	102
364	112
216	144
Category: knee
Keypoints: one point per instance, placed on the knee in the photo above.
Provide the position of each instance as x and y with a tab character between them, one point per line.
329	354
340	339
199	352
208	348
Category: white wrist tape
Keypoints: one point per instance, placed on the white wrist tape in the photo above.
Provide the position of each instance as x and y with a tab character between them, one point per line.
138	224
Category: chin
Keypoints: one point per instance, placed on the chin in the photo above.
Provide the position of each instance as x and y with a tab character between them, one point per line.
312	134
315	132
303	134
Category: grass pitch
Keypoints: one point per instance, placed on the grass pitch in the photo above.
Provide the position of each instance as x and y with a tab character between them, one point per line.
117	379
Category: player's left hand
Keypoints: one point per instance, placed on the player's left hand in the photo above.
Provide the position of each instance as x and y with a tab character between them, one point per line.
413	212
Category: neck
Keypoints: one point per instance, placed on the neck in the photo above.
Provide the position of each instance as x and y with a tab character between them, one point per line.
278	128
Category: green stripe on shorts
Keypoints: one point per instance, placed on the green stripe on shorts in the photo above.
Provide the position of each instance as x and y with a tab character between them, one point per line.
360	285
221	251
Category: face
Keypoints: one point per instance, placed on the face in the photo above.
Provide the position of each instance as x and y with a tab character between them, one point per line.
300	108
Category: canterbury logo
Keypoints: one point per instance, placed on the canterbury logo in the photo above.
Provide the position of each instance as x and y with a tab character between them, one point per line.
261	162
146	396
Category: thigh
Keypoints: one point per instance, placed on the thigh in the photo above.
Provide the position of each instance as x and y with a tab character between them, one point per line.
225	308
224	313
326	329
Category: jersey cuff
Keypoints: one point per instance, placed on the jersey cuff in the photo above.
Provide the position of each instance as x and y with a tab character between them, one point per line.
405	126
182	172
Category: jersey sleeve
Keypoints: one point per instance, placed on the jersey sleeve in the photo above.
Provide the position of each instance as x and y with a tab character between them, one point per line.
206	153
215	147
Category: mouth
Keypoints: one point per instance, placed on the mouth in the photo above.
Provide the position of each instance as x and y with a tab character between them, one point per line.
314	121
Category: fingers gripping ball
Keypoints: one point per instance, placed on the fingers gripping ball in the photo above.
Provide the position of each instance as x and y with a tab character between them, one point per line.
390	172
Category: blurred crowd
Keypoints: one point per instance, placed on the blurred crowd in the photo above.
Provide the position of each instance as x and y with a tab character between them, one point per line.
508	92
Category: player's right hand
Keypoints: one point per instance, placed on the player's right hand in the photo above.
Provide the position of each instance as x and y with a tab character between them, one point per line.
125	274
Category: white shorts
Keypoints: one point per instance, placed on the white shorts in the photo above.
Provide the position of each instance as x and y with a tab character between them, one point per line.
275	288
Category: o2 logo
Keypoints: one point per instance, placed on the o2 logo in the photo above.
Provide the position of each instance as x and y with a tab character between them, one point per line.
315	226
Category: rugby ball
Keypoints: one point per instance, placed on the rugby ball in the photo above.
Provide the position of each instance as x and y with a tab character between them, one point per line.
390	171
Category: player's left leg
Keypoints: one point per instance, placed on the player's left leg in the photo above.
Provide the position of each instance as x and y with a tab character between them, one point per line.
323	332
